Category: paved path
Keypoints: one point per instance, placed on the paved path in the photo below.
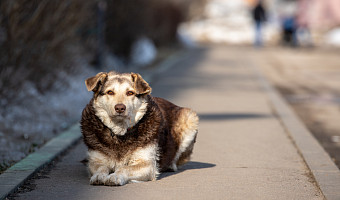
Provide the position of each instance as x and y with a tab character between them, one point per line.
242	150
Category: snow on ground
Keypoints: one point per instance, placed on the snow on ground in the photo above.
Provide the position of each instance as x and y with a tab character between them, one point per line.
39	117
332	38
226	21
144	52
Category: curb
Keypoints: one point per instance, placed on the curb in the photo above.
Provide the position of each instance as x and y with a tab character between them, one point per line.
323	169
15	176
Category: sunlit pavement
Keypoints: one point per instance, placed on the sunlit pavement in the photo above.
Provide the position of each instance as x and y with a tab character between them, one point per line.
242	150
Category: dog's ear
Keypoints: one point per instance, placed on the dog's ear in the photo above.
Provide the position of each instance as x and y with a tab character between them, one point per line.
93	83
140	85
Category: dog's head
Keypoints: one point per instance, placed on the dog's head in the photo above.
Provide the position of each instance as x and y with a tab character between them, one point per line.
121	97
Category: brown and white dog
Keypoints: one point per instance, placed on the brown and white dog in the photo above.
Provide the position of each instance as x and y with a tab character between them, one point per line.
132	136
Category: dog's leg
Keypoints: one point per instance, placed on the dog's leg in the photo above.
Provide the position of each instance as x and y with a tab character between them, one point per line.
98	168
141	167
140	171
185	156
185	150
99	175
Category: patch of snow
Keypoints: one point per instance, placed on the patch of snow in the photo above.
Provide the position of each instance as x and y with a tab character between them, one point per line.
34	118
332	38
225	22
39	117
184	38
143	52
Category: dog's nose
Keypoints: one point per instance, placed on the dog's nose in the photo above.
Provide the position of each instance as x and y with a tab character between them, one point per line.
120	108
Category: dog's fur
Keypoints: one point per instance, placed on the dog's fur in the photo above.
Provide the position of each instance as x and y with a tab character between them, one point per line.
132	136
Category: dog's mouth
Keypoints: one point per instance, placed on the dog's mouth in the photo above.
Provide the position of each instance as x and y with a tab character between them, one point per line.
119	116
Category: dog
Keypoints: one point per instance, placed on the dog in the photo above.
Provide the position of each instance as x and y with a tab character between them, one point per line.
132	136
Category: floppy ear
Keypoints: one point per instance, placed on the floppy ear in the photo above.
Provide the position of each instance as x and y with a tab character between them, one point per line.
93	83
140	85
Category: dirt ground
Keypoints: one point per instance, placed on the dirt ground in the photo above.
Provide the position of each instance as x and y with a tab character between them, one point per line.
309	79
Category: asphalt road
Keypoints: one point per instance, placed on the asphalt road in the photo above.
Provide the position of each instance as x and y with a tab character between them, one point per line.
242	150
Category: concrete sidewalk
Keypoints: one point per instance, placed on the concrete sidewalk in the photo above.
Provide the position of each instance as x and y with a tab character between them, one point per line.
243	149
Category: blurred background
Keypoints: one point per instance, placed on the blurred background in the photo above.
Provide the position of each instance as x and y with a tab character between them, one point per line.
316	22
48	48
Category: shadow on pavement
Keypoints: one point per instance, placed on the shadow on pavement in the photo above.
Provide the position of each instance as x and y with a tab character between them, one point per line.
188	166
230	116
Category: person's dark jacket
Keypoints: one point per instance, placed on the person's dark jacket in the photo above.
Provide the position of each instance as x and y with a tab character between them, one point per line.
259	14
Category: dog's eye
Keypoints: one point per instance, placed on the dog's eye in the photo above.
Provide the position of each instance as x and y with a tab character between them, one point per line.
110	92
129	93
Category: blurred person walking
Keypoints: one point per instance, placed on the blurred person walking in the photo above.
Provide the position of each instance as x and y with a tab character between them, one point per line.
259	16
289	28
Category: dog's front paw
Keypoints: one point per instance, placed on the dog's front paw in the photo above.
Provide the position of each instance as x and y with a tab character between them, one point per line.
115	180
98	179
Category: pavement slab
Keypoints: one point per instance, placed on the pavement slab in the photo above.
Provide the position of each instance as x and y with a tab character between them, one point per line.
242	151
